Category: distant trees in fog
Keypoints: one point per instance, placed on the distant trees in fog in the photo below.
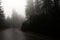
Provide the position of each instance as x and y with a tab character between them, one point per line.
16	20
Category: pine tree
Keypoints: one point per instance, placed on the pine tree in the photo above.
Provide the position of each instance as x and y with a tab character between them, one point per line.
1	16
2	19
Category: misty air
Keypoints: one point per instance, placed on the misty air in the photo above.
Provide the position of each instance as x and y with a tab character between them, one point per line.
29	19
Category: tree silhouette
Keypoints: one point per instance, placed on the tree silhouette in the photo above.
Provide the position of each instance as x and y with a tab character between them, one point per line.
2	19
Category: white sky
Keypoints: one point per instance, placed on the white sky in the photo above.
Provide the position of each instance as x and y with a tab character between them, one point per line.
9	5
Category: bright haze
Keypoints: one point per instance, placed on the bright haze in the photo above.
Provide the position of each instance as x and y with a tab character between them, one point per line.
18	5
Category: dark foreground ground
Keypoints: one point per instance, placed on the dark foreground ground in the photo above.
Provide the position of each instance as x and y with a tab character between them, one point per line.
12	34
16	34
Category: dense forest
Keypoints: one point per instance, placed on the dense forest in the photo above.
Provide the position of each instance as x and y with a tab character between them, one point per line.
43	17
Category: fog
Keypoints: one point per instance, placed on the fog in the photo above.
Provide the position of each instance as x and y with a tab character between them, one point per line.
18	5
29	19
